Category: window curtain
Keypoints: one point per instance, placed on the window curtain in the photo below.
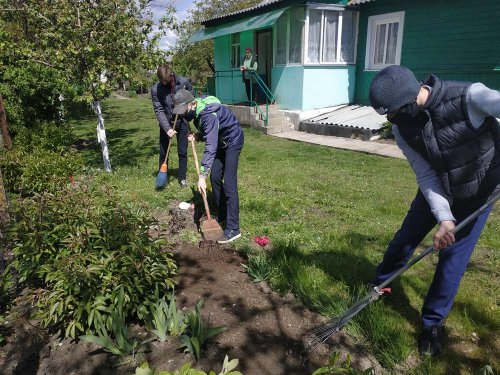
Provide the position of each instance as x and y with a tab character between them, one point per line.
392	39
330	36
348	35
378	56
296	30
314	38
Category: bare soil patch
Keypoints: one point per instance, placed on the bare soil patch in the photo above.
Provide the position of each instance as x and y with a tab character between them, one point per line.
266	331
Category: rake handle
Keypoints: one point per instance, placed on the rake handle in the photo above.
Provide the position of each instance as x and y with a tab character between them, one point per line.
170	140
205	202
430	249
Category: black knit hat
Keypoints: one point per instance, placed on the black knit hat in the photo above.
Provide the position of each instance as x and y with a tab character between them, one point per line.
181	100
392	88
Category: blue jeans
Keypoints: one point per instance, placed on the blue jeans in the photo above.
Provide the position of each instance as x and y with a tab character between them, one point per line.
224	180
453	260
182	146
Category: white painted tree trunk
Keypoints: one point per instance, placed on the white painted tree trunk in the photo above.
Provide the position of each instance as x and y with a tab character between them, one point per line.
101	135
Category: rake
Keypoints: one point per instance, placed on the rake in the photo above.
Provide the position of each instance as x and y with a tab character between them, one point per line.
323	333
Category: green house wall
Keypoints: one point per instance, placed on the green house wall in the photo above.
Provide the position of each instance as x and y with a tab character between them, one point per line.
456	40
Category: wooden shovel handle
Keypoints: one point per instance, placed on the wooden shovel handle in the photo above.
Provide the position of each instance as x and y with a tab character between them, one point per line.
205	202
170	140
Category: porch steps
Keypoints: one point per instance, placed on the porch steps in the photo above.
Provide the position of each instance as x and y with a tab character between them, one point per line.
277	122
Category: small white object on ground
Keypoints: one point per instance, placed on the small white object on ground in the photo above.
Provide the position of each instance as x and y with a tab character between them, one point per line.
184	205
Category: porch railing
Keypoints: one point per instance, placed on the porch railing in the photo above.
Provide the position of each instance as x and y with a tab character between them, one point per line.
268	95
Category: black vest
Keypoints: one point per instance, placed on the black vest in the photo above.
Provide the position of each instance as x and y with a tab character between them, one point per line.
467	160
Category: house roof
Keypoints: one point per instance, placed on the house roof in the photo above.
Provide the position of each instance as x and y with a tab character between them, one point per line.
262	4
356	2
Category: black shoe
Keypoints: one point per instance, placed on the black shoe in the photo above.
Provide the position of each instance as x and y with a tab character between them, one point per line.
183	183
430	341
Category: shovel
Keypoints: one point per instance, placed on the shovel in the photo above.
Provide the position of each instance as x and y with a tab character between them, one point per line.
210	228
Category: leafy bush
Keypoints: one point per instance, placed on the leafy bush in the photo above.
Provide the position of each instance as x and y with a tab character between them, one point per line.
80	246
227	369
48	136
258	267
32	171
386	131
199	331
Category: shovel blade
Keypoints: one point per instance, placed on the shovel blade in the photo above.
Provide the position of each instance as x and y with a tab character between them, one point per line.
211	230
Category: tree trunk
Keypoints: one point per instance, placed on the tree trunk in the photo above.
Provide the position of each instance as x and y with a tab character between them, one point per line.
101	135
210	65
7	141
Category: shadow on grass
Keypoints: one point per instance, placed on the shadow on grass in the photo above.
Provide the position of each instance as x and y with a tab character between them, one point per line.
123	150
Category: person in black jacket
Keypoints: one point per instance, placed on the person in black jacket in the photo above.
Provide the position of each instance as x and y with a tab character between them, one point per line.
449	133
162	94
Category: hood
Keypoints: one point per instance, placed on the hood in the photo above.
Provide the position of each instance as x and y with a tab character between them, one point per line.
204	108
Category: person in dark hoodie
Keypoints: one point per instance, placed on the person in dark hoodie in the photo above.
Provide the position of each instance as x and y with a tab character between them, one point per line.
162	95
449	133
223	137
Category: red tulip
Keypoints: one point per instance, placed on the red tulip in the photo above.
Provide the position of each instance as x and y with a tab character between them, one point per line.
262	240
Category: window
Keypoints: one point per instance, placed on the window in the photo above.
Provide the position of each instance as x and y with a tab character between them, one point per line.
331	35
385	36
289	31
235	51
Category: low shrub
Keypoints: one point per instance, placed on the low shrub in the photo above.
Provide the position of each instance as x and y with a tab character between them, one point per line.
79	246
27	172
386	131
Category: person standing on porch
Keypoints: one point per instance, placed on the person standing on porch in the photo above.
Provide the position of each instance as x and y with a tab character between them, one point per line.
449	133
162	95
249	65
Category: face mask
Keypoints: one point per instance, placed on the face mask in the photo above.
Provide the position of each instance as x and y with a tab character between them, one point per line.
405	115
189	113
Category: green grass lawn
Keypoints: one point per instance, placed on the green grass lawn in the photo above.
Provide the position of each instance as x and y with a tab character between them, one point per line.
330	214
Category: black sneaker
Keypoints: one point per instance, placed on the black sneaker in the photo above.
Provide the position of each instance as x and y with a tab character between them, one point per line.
230	235
183	183
430	341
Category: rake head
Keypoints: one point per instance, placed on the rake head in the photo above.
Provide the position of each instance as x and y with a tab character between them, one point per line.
323	333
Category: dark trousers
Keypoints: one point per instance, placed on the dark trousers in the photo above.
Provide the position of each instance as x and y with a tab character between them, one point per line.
452	262
224	180
253	86
182	145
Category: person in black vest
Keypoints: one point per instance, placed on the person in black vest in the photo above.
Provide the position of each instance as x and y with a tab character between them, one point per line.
162	94
449	133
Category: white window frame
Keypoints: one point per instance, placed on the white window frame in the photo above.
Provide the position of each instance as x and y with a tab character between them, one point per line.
287	48
231	45
373	22
341	10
